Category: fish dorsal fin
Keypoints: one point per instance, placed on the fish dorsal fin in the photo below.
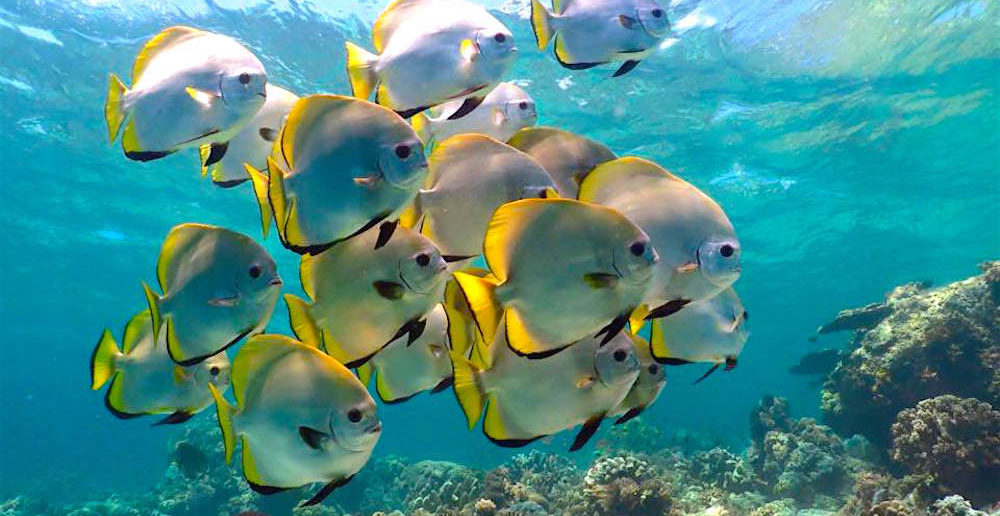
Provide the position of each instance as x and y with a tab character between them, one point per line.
165	39
508	222
560	6
531	136
619	173
258	353
390	19
175	246
306	112
140	324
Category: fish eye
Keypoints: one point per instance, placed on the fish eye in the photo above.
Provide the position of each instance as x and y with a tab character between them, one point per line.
657	12
637	248
746	316
653	369
402	151
620	355
523	105
254	271
726	250
499	37
354	415
423	259
244	78
214	371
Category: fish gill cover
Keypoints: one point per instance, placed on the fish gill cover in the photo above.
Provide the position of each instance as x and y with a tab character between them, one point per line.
853	144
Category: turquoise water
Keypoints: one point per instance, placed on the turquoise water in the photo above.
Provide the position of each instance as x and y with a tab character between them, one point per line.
854	144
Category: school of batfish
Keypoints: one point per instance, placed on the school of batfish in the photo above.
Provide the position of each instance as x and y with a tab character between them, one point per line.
581	247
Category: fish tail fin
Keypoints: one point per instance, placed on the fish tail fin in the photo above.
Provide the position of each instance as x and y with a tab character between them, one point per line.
260	192
541	23
422	125
102	361
224	411
361	71
153	299
480	293
301	320
114	113
467	388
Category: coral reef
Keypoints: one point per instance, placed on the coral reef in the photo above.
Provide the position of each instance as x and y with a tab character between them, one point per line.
953	440
934	342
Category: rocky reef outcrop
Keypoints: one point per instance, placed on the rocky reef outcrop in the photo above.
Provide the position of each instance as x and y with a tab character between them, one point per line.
953	441
933	342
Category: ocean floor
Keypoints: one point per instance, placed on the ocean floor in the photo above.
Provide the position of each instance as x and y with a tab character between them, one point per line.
914	430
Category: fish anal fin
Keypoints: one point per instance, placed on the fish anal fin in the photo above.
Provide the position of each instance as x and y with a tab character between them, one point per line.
521	341
113	399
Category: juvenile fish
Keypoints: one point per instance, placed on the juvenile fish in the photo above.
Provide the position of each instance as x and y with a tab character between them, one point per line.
505	110
189	88
144	380
566	156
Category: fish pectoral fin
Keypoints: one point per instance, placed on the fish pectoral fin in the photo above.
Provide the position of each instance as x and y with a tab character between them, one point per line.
631	414
368	181
498	117
626	67
313	438
585	382
598	280
385	232
205	98
177	417
627	21
614	327
268	134
587	431
686	268
467	106
670	307
225	299
389	289
327	489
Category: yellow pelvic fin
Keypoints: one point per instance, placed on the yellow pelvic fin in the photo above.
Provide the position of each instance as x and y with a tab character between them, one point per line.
637	319
102	360
365	372
302	322
180	376
541	23
467	389
361	71
224	411
153	299
480	294
114	113
165	39
260	191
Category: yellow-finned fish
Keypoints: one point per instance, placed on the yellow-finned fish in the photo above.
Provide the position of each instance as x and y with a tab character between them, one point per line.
698	248
189	88
224	162
562	271
589	33
340	166
367	292
431	52
528	399
471	175
647	386
505	110
301	416
404	369
566	156
712	330
218	285
144	380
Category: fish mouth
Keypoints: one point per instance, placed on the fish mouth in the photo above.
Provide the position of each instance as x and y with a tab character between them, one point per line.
275	281
375	428
262	95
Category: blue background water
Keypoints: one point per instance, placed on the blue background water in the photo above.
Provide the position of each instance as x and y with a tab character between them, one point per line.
854	144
